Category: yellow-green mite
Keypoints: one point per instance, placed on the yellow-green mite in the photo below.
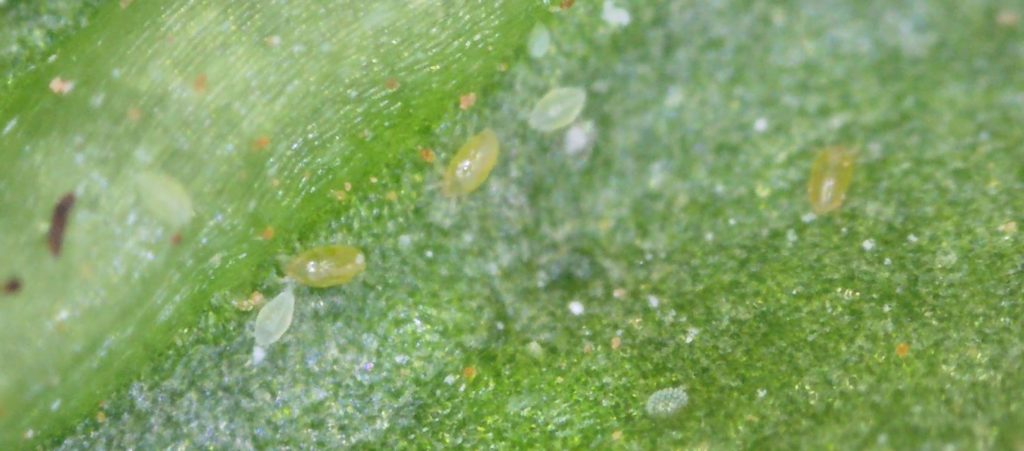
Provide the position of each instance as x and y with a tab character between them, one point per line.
831	174
471	165
326	266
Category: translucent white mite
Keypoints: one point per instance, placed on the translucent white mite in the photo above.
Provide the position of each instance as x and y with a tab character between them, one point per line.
165	198
326	266
666	402
274	318
557	109
472	164
539	41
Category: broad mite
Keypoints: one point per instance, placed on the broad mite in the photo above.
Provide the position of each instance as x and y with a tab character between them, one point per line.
326	266
165	198
557	109
831	175
472	164
274	318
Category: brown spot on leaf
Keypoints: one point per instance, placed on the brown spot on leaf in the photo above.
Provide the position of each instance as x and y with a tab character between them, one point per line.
566	4
12	286
391	84
176	239
902	350
616	342
261	143
427	155
469	373
134	114
59	221
199	85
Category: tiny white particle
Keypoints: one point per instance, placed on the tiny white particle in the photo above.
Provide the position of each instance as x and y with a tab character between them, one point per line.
63	315
539	41
30	433
450	379
791	236
868	245
55	406
887	262
258	354
614	15
10	126
761	393
674	96
653	301
535	349
886	308
576	308
761	125
691	334
912	238
709	236
578	138
401	359
666	402
809	217
404	241
429	254
96	100
732	221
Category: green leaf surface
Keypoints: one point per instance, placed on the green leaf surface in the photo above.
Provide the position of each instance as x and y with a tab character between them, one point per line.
663	240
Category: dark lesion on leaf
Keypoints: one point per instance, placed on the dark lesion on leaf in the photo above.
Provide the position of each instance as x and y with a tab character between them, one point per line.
12	285
55	237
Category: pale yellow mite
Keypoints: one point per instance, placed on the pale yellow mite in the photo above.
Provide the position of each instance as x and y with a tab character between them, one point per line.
326	266
831	175
471	165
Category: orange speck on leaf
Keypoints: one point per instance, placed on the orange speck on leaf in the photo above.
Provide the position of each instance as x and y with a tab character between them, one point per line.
101	417
200	83
61	86
134	114
267	234
427	155
469	373
616	342
566	4
466	101
176	239
254	300
391	84
902	350
261	143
